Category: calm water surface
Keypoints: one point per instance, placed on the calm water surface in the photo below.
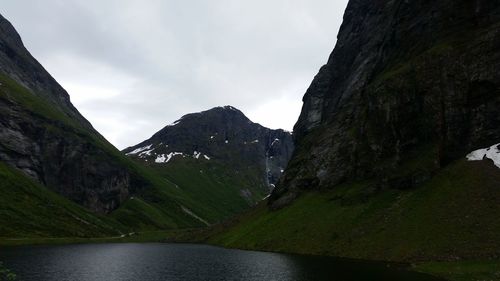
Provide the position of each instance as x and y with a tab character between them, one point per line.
174	262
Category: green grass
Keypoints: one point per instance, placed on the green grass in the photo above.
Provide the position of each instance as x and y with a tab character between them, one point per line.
463	270
161	195
452	216
28	209
448	227
157	204
210	188
132	237
42	108
30	213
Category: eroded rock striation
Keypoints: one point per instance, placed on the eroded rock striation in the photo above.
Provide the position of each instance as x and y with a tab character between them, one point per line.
410	87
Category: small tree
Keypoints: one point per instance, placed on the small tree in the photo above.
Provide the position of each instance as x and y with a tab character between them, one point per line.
6	274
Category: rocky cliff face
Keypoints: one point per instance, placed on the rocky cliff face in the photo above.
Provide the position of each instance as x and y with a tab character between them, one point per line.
410	87
43	135
17	63
221	134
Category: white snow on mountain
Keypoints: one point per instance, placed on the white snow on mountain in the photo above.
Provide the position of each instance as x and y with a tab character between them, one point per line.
492	153
164	158
140	149
196	154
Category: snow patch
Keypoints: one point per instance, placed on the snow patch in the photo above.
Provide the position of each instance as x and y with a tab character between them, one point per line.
230	108
196	154
212	137
226	141
160	158
164	158
140	149
206	157
175	123
492	153
145	153
255	141
275	141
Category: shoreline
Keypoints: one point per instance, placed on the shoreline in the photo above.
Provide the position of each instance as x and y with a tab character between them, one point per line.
460	270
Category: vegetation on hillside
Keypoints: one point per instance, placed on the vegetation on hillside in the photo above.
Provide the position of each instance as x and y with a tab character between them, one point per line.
463	270
156	204
448	218
29	209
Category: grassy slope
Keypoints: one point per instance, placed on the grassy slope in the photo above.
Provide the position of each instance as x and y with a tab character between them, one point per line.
28	209
159	207
451	217
211	188
463	270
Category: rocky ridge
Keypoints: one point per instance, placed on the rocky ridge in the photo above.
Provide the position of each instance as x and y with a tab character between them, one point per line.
410	87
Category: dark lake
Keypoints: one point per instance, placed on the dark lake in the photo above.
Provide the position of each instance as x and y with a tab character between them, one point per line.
147	262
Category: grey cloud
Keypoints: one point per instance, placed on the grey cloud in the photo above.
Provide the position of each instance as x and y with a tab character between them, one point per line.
167	58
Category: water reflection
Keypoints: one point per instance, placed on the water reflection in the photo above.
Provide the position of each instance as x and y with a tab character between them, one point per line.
175	262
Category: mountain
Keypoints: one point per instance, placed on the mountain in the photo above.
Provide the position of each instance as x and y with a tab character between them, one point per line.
382	164
410	88
218	157
43	135
58	175
60	178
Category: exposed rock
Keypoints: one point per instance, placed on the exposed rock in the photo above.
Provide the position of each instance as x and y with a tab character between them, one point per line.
220	134
410	86
43	135
18	64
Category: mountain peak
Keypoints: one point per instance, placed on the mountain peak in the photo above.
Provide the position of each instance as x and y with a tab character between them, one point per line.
228	107
219	109
222	133
217	115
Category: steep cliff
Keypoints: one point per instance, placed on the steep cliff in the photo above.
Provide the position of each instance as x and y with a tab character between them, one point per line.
410	87
394	145
43	135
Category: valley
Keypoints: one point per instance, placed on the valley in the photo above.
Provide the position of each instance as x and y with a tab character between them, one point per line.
392	165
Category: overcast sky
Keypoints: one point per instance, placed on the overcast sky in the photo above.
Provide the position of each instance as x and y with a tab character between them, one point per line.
134	66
